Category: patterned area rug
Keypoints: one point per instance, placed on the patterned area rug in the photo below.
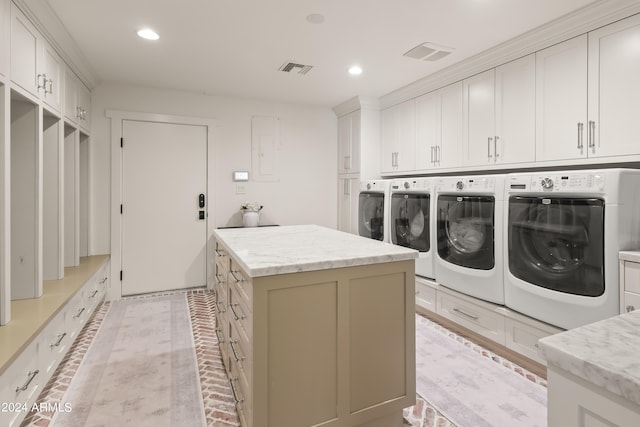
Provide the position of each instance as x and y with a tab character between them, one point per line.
470	390
140	369
216	393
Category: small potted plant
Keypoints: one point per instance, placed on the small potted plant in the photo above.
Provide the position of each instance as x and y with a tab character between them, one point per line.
250	213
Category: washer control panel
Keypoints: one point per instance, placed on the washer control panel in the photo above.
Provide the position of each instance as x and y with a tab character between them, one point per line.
557	182
477	184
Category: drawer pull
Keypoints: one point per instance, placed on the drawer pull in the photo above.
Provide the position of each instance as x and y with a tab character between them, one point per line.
235	315
79	313
233	274
220	310
235	353
218	279
630	308
103	280
60	338
470	316
220	253
237	399
94	294
31	375
220	340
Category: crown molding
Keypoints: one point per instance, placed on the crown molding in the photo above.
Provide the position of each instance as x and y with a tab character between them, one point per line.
589	18
356	103
43	17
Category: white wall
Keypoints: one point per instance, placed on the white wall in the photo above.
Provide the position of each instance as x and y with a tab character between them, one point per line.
306	192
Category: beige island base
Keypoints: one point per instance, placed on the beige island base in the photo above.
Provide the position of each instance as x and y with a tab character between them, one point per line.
316	326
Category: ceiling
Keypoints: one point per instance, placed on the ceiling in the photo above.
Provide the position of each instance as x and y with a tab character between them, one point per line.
235	47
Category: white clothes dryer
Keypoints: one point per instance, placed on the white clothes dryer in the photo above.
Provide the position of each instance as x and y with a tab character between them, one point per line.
410	222
469	221
372	209
563	233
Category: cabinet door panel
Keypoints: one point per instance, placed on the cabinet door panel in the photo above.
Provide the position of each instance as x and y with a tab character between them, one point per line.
348	204
561	101
614	95
24	52
4	35
479	119
427	130
516	111
450	154
52	69
398	137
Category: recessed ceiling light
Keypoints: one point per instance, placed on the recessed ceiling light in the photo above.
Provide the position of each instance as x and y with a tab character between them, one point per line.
355	70
148	33
315	18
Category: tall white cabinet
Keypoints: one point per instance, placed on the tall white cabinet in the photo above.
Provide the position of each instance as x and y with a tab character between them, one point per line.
398	137
358	155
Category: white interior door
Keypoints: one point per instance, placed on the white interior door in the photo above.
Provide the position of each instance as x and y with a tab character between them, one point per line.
164	171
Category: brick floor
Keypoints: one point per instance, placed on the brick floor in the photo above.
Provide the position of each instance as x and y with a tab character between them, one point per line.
216	392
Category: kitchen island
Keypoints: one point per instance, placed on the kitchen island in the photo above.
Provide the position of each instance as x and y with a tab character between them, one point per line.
316	326
593	373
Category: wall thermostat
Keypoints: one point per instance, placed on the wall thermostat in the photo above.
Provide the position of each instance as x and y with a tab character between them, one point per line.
241	176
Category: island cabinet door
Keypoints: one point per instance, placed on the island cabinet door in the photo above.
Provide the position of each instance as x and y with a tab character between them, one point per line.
334	347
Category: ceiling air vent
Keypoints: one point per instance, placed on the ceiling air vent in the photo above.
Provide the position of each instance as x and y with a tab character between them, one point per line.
428	52
289	67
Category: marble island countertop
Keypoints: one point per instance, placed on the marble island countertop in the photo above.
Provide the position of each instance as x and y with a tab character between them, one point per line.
605	353
630	255
265	251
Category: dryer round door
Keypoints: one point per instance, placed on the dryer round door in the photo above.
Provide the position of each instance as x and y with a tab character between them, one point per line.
371	215
466	230
558	243
409	215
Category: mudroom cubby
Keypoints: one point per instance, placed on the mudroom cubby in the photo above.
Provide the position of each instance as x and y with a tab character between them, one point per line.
26	205
53	207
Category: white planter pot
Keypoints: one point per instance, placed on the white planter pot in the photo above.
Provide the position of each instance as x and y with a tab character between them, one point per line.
250	219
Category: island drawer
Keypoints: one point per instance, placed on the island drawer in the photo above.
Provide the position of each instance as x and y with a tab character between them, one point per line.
239	313
240	351
241	280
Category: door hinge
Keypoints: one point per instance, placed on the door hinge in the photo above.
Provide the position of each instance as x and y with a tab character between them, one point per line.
121	142
121	208
121	275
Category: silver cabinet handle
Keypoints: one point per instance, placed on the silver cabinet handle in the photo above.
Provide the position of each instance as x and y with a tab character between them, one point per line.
235	315
470	316
432	160
93	295
495	149
220	310
79	313
233	274
44	82
104	280
438	158
592	134
347	187
347	162
60	338
630	308
220	340
30	376
580	128
489	156
237	399
235	353
220	253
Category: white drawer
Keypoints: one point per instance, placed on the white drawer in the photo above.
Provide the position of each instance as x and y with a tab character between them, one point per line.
631	302
472	316
632	276
20	386
77	313
425	296
54	343
523	339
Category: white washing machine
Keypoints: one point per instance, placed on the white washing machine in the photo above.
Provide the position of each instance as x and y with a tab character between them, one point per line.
410	222
469	221
563	234
372	209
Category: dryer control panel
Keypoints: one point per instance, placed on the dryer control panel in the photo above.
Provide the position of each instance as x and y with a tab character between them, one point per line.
557	182
468	184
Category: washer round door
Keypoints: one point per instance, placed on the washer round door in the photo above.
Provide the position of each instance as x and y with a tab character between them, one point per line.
466	230
558	243
409	215
371	215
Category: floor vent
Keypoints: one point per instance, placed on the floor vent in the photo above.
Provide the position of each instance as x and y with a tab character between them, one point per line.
428	52
289	67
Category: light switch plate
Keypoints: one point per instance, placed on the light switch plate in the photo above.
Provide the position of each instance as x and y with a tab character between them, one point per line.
241	189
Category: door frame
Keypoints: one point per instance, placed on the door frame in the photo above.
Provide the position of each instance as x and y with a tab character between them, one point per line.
117	118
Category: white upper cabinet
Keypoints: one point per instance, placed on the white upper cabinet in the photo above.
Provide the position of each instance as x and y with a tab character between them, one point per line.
614	89
35	66
439	128
25	45
5	25
398	137
77	101
515	96
561	101
499	115
349	143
